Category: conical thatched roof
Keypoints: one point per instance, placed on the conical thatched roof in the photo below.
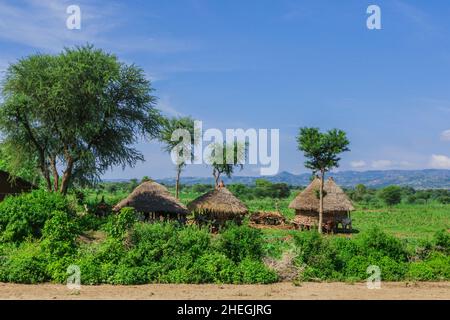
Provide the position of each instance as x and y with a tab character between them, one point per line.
10	185
152	197
334	200
220	200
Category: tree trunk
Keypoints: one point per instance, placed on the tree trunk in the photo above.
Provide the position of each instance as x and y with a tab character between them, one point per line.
46	175
55	174
322	174
177	182
66	176
216	175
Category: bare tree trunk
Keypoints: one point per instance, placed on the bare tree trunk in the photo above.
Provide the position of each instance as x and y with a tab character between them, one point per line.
216	175
177	182
55	174
66	176
322	174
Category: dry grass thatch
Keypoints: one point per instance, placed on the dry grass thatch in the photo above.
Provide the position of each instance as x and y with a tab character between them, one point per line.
335	199
152	197
13	185
272	217
220	202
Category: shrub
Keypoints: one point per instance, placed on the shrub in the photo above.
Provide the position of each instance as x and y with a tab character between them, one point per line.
239	242
376	241
391	195
213	267
90	222
436	267
119	224
26	264
253	271
25	215
59	235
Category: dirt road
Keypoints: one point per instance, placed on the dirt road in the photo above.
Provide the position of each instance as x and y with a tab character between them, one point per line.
286	291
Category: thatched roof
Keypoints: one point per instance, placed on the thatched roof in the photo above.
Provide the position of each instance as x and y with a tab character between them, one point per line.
13	185
334	200
221	201
152	197
267	217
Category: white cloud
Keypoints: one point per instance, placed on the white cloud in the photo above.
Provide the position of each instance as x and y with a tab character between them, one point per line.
41	24
445	135
440	161
381	164
358	164
165	106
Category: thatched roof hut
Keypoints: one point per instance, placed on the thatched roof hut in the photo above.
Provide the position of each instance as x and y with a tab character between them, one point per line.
151	197
218	204
12	185
336	206
335	198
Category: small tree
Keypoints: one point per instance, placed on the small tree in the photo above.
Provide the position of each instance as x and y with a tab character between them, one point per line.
391	195
166	136
321	151
225	157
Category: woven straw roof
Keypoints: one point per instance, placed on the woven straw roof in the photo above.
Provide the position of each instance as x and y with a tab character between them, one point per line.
220	200
152	197
334	200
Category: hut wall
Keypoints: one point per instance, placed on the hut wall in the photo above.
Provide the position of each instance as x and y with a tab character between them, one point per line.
310	218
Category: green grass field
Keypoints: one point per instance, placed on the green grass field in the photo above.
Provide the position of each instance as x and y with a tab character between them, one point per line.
408	221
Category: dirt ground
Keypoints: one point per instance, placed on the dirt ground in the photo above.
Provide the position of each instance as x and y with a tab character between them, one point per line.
285	291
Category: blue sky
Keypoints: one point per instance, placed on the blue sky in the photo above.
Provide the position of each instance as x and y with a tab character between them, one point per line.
271	64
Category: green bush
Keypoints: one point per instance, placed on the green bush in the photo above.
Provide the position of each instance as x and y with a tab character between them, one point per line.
239	242
436	267
118	225
25	215
25	264
213	267
376	241
90	222
254	271
59	235
391	195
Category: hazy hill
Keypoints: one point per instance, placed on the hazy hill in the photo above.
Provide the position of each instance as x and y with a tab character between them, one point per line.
418	179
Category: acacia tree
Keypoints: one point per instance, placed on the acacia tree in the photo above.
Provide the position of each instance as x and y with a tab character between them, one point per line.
225	158
176	144
321	151
80	110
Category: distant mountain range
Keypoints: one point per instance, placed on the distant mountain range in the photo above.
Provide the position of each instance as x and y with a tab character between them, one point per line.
418	179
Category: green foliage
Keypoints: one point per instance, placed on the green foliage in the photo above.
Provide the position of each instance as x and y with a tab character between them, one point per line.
25	215
119	224
25	264
322	149
238	243
254	271
47	97
338	258
435	267
59	235
224	158
391	195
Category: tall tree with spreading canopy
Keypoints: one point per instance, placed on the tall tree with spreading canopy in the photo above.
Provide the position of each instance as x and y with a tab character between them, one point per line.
321	151
176	143
80	110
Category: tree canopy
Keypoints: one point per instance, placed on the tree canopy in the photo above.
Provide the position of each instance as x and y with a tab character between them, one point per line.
77	113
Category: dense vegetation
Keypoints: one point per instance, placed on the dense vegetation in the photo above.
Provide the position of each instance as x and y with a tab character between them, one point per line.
43	233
